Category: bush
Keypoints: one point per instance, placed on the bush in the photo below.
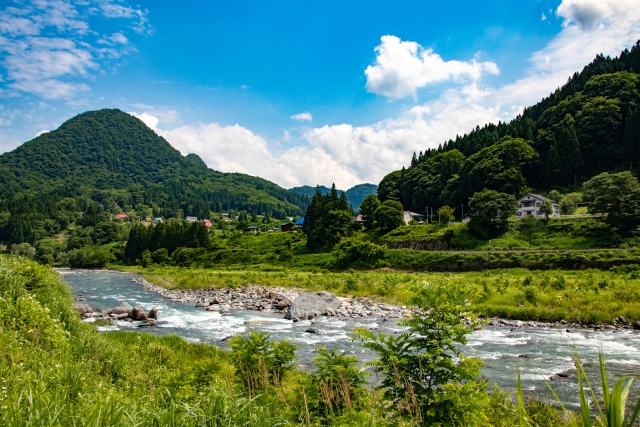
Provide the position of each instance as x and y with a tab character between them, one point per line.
353	251
23	249
260	362
90	257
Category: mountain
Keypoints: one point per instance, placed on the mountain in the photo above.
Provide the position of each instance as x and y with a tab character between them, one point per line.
113	158
588	126
355	195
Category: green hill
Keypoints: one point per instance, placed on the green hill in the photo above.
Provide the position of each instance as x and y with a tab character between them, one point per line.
588	126
355	195
113	158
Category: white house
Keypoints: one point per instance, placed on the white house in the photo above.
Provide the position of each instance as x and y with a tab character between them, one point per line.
408	216
529	204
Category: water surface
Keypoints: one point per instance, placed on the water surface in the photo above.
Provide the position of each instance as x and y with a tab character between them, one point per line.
548	351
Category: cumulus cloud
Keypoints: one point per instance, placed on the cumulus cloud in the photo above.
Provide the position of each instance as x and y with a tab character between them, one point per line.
587	13
404	66
41	132
348	155
49	49
302	117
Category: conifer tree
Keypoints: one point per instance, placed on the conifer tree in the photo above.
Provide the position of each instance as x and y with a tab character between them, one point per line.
565	158
631	136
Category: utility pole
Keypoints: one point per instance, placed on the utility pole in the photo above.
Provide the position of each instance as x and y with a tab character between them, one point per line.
462	214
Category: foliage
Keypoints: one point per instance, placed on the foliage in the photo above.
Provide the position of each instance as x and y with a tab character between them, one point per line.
326	219
425	375
169	235
588	126
445	214
367	210
260	362
546	209
107	162
612	413
616	195
90	257
490	211
355	195
351	252
337	385
389	215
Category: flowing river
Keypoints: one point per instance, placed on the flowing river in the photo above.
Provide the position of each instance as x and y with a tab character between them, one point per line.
541	353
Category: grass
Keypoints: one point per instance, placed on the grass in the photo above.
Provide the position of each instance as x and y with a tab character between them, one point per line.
56	370
588	296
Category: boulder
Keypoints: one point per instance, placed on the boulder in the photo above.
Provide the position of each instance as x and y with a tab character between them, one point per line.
153	314
84	309
312	330
121	307
138	313
310	305
636	325
148	323
283	304
214	307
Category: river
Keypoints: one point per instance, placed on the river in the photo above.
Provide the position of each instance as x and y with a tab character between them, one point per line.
548	351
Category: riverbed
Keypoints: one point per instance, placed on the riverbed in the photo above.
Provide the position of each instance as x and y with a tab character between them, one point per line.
541	353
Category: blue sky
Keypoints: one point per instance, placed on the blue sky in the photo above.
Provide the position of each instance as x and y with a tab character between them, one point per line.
297	92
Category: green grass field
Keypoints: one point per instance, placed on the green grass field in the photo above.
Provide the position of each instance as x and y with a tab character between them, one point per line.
589	296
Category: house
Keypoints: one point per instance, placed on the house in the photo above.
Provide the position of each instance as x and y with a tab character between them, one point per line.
225	217
157	220
252	229
191	218
298	224
123	217
207	223
466	218
530	203
287	226
408	216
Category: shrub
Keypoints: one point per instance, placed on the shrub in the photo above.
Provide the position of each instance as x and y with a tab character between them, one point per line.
260	362
90	257
351	251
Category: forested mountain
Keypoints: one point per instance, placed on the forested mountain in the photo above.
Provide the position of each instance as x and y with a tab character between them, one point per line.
588	126
355	195
114	159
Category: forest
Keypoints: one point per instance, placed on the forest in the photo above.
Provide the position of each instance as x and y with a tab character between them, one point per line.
588	126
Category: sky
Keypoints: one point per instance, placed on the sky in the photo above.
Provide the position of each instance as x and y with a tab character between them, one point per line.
297	92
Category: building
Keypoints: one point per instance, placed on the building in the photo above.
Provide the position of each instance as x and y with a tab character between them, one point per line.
225	217
530	203
122	217
298	224
287	226
408	216
207	223
157	220
192	218
466	218
252	229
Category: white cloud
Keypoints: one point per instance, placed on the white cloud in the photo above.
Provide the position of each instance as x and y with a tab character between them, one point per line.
403	66
48	47
544	17
348	155
41	132
302	117
587	13
149	120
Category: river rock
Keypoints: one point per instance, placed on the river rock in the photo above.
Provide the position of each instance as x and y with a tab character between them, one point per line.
153	314
283	304
138	313
148	323
312	304
84	309
312	330
121	307
636	325
214	307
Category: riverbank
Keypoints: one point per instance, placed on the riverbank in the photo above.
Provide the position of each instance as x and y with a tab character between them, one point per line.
586	297
277	300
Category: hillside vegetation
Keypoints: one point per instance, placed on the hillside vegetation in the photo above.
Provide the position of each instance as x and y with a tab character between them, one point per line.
355	195
588	126
111	158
